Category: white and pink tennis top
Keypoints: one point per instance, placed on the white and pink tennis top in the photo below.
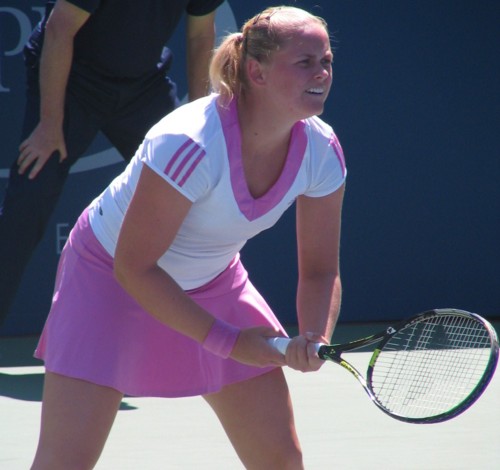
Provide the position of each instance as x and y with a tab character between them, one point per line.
197	149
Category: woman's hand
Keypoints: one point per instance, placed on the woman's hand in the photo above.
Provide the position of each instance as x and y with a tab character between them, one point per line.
301	353
252	348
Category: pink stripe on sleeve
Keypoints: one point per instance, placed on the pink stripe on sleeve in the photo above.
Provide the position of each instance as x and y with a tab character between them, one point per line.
176	155
192	168
184	162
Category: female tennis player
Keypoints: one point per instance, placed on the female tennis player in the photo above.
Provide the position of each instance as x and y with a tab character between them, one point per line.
151	298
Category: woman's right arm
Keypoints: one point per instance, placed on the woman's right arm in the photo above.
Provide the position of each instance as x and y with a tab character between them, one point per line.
151	223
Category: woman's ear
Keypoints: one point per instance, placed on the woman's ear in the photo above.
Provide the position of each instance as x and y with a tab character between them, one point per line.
256	72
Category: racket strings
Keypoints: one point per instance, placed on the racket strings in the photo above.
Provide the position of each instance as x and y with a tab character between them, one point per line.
431	366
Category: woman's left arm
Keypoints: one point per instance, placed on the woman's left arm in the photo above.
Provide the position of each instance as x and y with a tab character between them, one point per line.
319	287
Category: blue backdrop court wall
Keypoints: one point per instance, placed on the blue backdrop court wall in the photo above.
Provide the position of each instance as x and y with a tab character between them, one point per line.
415	103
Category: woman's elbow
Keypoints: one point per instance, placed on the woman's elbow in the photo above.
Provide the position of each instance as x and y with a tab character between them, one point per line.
122	271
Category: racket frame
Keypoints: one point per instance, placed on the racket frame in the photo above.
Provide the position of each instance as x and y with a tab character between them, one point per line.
334	353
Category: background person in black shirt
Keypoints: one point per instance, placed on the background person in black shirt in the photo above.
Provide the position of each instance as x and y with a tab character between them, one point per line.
92	66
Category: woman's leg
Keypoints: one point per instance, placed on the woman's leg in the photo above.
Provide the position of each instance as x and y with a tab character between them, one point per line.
257	416
76	419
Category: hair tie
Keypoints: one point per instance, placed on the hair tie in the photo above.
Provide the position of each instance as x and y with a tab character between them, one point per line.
239	38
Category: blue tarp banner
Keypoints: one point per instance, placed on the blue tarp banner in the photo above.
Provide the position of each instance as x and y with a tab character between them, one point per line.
415	104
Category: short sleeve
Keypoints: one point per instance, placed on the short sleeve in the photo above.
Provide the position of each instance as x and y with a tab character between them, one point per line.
180	161
327	166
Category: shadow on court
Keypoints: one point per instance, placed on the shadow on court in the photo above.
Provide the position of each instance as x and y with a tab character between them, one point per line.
29	387
18	352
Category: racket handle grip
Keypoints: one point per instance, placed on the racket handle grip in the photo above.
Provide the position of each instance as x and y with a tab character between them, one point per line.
281	344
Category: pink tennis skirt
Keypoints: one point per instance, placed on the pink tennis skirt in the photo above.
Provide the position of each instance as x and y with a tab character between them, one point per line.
96	332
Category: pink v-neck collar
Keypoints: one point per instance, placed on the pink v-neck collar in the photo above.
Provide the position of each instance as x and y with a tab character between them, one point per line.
253	208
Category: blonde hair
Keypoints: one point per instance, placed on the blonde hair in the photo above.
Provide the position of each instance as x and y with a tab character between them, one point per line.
260	36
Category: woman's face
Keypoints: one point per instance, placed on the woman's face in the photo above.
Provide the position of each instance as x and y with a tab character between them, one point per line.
299	75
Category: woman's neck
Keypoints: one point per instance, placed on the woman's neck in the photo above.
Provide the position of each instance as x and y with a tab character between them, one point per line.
262	128
264	146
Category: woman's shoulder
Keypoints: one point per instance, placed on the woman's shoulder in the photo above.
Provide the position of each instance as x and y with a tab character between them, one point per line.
198	120
318	128
323	140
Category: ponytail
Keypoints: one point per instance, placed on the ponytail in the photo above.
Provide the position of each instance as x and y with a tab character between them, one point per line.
226	71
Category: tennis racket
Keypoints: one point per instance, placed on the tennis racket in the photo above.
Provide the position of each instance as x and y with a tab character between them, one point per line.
426	369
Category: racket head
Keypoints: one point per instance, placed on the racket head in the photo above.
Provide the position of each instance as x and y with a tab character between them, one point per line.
433	366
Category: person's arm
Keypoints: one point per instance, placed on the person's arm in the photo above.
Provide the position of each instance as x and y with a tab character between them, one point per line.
55	64
200	37
319	288
151	223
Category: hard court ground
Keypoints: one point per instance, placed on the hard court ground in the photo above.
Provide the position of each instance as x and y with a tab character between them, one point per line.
338	426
